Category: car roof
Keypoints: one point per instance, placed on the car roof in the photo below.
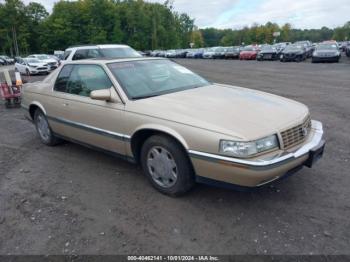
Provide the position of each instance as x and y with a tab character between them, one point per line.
96	46
112	60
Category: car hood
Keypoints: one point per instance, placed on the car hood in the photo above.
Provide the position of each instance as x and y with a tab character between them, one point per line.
37	64
50	61
268	52
235	111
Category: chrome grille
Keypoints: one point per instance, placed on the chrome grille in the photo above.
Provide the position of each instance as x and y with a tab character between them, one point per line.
297	134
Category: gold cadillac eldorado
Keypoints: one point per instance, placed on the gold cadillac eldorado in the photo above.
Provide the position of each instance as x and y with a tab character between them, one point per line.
178	126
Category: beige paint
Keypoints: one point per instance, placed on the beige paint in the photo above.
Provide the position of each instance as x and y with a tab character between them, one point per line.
198	118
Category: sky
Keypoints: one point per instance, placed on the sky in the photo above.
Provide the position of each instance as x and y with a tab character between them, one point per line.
236	14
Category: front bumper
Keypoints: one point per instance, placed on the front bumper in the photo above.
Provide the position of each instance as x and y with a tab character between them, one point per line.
261	170
35	71
325	58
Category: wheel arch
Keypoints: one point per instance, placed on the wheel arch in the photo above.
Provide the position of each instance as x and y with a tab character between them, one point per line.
143	133
33	107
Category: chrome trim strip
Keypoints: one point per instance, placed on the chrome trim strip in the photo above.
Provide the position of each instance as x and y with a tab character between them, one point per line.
96	130
316	139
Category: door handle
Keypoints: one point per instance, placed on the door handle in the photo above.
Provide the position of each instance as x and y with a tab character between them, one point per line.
65	104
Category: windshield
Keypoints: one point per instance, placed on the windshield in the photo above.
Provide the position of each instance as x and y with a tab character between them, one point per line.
32	60
119	52
268	48
42	57
219	49
327	47
145	78
293	48
248	48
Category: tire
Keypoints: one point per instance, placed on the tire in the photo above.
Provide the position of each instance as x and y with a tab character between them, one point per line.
27	72
167	165
44	131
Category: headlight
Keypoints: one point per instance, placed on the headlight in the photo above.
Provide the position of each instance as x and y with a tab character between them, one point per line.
315	53
246	149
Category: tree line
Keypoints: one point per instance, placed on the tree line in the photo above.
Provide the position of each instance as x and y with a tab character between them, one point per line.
260	34
143	25
140	24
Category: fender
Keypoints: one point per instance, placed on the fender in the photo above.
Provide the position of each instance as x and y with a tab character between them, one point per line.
163	129
38	104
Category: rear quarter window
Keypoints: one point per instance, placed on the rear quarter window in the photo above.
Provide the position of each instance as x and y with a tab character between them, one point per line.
62	79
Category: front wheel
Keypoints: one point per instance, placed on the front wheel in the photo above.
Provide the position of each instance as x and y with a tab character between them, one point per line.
44	130
167	165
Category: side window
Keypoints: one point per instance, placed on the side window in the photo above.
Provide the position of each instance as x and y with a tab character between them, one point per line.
62	79
92	53
86	78
80	54
66	55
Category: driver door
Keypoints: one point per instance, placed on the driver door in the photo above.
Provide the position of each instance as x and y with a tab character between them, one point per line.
93	122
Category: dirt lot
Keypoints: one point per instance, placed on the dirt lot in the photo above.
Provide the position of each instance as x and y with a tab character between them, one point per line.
72	200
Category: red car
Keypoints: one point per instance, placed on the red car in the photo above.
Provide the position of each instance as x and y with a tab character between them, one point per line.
249	53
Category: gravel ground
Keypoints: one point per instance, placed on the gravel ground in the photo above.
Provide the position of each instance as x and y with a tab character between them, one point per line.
72	200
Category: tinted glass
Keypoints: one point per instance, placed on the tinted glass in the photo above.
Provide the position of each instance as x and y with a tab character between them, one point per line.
86	78
154	77
327	47
93	53
66	54
62	79
80	54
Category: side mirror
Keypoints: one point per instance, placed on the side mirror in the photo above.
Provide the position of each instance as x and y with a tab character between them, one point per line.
102	94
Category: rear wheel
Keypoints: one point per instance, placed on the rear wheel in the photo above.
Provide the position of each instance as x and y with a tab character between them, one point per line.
44	130
166	165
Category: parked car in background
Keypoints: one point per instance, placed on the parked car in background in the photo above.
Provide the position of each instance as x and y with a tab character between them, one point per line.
268	52
232	52
209	53
199	53
171	53
7	59
99	51
219	52
181	53
161	54
154	53
249	53
190	54
31	66
326	53
178	126
281	46
46	59
309	48
294	53
347	50
2	62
